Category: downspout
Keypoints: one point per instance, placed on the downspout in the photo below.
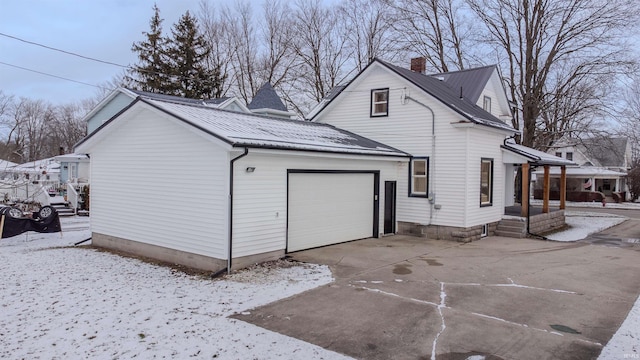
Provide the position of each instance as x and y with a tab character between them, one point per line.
432	159
246	152
529	211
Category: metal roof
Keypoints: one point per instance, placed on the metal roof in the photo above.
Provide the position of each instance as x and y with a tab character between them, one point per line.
469	82
536	157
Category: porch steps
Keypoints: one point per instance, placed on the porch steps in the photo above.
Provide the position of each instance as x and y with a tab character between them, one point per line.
63	208
512	227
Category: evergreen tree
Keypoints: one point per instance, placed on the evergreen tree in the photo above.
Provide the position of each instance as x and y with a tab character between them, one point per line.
150	73
187	51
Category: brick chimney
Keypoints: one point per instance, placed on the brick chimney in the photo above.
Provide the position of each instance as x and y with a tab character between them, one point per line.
419	65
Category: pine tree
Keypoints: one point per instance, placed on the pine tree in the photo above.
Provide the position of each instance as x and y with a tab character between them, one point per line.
187	51
150	73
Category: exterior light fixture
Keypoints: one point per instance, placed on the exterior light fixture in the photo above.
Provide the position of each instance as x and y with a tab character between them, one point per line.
250	169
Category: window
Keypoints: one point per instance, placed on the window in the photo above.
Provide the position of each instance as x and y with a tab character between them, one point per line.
485	230
486	182
379	102
558	154
419	174
569	156
486	104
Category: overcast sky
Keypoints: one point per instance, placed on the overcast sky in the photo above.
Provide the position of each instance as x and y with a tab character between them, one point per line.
102	29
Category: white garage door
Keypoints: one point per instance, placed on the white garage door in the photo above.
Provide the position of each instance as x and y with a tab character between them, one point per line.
329	208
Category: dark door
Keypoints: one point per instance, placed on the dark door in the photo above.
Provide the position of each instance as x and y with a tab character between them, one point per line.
389	207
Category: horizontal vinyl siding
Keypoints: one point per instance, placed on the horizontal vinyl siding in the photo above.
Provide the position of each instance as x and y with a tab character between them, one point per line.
408	128
260	198
156	182
482	145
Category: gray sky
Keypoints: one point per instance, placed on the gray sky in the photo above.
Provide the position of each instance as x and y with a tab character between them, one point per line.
101	29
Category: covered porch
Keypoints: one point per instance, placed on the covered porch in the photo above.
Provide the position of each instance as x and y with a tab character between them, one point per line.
532	220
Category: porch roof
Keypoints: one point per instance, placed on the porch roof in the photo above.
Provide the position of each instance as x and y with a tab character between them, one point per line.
532	156
585	172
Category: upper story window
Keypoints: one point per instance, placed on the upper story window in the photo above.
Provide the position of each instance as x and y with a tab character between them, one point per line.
558	154
486	182
380	102
419	173
569	156
486	104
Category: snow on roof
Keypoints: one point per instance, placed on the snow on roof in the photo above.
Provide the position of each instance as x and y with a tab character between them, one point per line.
50	165
585	171
239	129
536	156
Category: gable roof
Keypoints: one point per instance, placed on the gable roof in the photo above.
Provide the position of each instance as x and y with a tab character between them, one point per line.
267	98
256	131
439	90
606	151
470	82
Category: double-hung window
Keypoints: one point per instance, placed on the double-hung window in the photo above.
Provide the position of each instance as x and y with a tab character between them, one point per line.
486	104
379	102
419	176
486	182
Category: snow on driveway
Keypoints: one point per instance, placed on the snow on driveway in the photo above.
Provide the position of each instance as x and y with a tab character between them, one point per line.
583	224
60	302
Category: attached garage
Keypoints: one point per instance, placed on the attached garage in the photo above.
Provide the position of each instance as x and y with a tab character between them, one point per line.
328	207
257	187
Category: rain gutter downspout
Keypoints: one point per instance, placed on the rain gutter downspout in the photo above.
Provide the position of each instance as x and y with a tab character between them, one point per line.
529	212
432	160
246	152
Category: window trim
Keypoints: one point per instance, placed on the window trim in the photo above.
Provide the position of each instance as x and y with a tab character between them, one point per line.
426	170
490	202
486	101
373	103
568	154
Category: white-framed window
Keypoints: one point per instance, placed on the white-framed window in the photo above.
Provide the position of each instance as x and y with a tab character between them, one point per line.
379	102
419	176
558	154
486	182
485	230
569	156
486	103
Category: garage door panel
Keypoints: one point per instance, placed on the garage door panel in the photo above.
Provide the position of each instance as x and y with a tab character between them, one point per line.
329	208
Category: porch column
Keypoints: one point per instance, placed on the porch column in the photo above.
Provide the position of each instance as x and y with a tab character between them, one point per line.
618	185
563	186
545	190
524	210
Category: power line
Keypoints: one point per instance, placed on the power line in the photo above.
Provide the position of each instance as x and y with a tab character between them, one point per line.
64	51
55	76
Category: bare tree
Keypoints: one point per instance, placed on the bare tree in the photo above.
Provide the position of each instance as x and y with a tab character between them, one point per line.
215	30
320	46
31	120
372	32
555	54
435	29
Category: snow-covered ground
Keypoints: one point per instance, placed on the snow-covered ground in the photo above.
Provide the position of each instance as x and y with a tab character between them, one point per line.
59	301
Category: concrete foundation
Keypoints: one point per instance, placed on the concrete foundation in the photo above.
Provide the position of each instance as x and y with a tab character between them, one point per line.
179	257
439	232
544	223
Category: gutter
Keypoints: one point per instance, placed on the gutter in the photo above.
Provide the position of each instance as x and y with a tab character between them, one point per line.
230	254
432	159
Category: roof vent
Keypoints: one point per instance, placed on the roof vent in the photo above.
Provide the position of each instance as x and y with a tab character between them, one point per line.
441	78
419	65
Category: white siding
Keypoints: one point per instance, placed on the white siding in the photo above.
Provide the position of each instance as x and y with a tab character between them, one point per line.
156	182
260	197
408	128
482	144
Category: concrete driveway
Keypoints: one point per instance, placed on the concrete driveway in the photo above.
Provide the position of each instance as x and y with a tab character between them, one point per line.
409	298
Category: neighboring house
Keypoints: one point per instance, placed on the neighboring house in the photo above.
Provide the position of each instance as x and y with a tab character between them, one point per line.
250	187
74	168
32	181
267	102
120	98
394	151
603	164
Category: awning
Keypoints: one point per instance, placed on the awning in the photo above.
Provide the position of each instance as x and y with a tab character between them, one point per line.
518	154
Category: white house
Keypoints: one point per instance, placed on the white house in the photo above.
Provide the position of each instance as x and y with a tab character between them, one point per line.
602	165
393	151
250	187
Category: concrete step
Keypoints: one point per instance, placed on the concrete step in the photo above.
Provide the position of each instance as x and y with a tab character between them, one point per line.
511	234
512	228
